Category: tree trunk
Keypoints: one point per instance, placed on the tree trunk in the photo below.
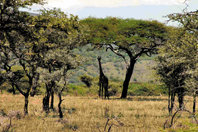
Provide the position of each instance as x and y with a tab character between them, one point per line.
194	103
181	97
26	105
169	98
52	99
26	95
46	99
46	104
35	84
172	101
59	105
129	73
13	89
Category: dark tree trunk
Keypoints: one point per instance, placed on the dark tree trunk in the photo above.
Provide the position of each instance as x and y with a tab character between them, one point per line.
102	91
52	99
26	95
181	97
172	100
129	73
13	89
46	99
169	100
35	84
46	104
59	105
194	103
26	105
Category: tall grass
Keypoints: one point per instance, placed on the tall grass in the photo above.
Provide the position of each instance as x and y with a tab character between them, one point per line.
89	114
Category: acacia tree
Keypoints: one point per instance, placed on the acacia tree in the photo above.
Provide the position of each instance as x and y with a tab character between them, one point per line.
57	33
25	41
172	72
63	62
180	52
188	53
127	38
16	45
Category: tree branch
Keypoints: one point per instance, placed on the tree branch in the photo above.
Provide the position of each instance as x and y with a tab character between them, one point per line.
17	87
127	51
115	52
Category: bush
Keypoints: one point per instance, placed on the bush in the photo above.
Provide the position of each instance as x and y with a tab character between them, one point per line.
77	89
114	88
87	80
146	89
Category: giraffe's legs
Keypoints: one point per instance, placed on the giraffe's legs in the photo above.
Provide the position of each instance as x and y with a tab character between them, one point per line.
106	93
100	87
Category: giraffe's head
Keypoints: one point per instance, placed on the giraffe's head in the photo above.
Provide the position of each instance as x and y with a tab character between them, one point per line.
99	58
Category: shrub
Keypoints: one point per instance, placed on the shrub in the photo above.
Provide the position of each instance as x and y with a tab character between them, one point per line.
114	88
146	89
77	89
87	80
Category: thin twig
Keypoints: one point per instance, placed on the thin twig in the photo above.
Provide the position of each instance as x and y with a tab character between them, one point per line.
106	124
174	115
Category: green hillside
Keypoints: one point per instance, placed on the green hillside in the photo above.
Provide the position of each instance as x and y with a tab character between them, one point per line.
113	66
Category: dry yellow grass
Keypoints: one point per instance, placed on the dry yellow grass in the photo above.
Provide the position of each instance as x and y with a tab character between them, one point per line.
89	114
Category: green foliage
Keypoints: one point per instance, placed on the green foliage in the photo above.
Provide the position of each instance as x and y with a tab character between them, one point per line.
115	88
16	68
17	50
177	63
77	90
31	44
128	33
146	89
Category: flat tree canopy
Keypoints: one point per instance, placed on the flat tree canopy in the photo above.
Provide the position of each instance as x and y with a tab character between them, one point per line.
127	37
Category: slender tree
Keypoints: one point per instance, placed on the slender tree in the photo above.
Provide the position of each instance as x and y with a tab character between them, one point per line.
178	59
16	44
57	34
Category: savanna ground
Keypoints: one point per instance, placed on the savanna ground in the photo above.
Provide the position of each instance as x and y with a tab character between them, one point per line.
89	114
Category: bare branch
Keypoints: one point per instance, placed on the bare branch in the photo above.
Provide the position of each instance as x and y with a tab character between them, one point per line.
115	52
110	128
17	87
127	51
186	8
106	124
174	115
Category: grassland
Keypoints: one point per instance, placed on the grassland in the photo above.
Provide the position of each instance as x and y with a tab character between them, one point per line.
89	114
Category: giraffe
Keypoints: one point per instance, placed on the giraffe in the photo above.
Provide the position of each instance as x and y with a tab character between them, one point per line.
103	81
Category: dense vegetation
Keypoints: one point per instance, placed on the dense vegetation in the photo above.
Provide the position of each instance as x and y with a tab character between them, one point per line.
53	53
178	60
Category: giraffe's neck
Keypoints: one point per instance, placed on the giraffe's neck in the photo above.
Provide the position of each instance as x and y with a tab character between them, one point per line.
100	68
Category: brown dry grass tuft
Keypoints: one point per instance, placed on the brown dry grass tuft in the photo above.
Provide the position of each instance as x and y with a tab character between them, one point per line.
89	114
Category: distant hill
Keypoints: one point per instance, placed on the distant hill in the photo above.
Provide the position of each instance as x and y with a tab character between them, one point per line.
113	66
